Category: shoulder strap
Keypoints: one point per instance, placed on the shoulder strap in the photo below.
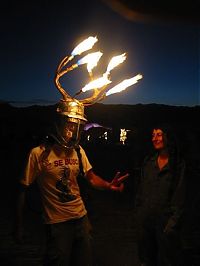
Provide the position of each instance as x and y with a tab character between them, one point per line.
80	160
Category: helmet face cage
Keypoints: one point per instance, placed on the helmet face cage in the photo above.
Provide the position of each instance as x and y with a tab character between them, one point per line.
69	131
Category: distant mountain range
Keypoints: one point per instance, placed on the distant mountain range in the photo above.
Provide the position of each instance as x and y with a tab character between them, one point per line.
29	103
110	115
36	117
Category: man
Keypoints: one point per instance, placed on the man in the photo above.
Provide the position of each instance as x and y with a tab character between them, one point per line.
56	167
159	201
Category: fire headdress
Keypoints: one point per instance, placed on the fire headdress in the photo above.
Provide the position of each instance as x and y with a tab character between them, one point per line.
72	109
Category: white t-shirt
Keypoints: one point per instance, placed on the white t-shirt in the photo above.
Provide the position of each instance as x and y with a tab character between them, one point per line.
56	170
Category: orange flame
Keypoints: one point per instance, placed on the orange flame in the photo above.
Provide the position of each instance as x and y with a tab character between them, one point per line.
124	84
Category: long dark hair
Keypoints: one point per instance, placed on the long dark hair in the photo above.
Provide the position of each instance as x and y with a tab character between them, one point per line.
172	147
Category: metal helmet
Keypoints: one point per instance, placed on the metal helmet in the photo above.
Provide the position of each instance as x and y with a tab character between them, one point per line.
72	109
70	122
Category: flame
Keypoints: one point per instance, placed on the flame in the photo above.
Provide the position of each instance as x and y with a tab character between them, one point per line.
85	45
115	61
91	60
124	84
97	83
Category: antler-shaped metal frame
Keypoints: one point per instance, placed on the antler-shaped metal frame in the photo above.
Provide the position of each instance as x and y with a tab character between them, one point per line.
60	73
99	92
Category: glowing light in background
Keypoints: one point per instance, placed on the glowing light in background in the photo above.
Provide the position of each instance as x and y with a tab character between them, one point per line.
123	135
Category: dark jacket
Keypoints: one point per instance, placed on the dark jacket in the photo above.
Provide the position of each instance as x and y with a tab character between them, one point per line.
161	191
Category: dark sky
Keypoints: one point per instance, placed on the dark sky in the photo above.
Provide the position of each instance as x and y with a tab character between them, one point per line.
36	35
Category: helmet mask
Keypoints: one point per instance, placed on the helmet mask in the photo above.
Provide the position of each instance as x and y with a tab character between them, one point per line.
69	131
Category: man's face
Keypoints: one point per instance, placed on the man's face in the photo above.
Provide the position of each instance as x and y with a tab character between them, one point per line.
158	139
69	130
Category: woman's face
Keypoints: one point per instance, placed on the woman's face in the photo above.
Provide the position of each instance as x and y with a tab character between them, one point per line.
158	139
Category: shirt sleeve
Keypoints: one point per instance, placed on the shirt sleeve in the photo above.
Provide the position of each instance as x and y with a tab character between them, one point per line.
31	169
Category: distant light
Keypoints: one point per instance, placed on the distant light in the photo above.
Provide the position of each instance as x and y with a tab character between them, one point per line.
123	135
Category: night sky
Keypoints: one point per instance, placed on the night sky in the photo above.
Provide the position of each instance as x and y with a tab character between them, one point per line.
36	35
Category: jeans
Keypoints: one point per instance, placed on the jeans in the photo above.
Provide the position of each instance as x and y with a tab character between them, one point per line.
68	243
155	247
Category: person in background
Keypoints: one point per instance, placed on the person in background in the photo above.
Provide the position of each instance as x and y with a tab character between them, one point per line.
159	201
56	166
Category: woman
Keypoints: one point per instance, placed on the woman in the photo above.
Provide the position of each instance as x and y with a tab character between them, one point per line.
159	201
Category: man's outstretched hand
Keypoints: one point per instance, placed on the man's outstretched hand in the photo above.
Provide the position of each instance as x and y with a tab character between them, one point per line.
117	183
